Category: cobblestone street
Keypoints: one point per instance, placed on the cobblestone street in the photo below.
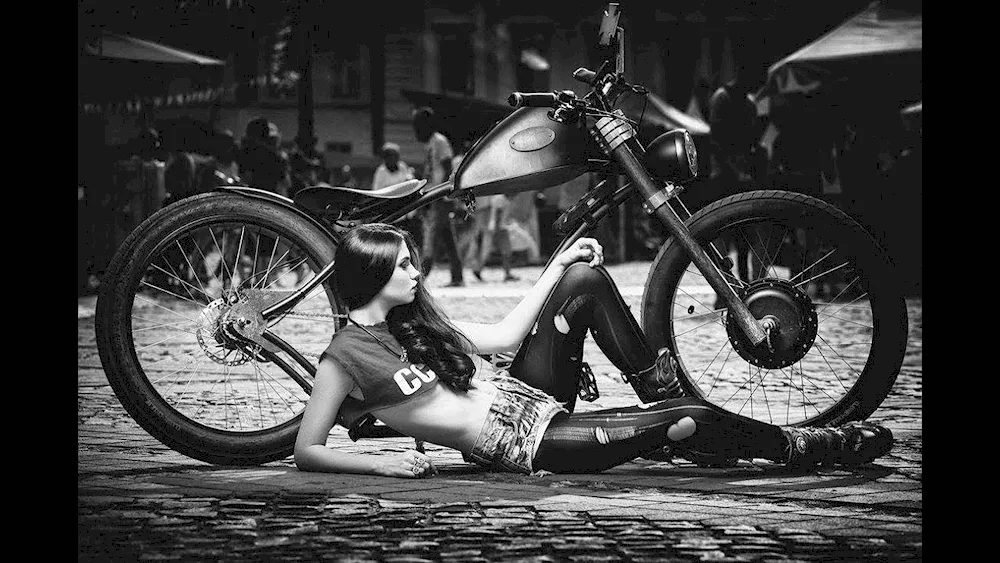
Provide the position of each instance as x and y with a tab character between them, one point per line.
140	501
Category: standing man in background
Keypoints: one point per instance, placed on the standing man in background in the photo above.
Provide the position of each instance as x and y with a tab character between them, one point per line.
392	170
735	157
262	164
437	216
489	224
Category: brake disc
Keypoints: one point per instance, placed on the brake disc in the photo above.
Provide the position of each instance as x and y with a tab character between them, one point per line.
218	344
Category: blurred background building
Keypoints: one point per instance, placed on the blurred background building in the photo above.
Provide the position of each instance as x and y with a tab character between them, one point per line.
340	79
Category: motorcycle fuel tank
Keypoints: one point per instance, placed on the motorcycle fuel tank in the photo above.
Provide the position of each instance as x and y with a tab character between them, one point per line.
525	151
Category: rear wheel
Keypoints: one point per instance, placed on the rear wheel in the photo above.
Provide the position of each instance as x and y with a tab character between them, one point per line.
813	274
166	316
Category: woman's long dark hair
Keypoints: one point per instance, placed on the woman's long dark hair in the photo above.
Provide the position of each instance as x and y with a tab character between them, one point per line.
365	261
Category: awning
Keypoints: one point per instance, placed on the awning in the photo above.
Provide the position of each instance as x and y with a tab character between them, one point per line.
875	53
672	118
659	114
115	46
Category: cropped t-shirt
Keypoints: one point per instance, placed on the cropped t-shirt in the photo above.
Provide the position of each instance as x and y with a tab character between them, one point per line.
383	378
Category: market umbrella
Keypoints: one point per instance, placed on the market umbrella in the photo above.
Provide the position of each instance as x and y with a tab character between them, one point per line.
115	46
669	117
875	53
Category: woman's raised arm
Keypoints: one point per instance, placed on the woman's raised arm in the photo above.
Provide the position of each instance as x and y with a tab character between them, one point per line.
330	388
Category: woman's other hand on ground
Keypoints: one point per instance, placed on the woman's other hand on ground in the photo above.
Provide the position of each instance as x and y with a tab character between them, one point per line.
411	464
584	249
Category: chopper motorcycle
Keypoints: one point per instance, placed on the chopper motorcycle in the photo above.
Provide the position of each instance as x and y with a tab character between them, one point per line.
218	364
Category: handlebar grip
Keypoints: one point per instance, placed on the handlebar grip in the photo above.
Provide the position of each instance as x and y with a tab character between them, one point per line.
584	75
533	99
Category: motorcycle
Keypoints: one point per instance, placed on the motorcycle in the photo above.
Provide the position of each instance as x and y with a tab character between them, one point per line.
218	365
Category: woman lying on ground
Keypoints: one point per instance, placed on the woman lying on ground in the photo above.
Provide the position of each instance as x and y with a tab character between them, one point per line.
402	360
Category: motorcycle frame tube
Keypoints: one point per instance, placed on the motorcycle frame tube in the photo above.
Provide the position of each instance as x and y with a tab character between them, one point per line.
648	188
296	355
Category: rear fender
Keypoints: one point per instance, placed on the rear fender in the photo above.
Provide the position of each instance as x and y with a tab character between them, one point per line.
283	201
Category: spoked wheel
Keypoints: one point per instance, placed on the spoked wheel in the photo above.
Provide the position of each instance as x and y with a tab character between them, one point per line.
181	338
815	278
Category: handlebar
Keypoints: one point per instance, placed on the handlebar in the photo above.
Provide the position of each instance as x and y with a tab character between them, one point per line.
533	99
585	75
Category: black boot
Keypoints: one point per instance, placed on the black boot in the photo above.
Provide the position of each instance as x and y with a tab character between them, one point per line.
659	381
853	443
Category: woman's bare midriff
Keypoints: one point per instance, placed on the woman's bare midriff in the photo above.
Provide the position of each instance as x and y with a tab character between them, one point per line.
444	417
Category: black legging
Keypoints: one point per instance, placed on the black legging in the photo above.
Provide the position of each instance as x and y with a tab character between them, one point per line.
584	298
549	359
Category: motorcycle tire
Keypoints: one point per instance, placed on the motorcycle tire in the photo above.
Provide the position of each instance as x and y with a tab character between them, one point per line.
164	349
843	331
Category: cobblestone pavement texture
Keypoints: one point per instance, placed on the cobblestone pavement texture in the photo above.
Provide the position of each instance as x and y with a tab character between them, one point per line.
140	501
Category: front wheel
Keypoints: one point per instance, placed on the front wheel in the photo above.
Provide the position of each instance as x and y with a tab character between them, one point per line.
822	283
166	318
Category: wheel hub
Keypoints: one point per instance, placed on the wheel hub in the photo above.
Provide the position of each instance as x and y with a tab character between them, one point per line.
787	313
221	328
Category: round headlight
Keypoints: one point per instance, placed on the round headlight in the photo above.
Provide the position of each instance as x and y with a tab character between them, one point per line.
672	156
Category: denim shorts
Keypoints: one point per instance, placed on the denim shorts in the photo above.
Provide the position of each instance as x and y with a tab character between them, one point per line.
514	426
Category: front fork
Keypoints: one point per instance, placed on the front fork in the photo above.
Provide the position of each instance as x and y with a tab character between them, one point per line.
620	143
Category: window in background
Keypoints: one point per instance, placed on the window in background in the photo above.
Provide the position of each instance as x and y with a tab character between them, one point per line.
340	69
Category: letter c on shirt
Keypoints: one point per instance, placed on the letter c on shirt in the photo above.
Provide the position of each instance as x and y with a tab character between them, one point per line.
407	387
427	377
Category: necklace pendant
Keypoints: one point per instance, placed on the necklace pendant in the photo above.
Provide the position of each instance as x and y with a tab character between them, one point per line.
404	358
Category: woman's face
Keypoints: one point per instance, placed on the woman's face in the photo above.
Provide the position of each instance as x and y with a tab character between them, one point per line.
402	286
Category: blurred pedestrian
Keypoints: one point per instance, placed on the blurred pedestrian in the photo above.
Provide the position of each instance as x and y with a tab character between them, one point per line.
262	164
345	177
305	170
735	130
392	170
798	146
222	170
800	151
181	174
488	229
467	232
437	217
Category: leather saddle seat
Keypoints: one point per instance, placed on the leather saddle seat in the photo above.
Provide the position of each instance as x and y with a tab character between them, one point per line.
323	198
